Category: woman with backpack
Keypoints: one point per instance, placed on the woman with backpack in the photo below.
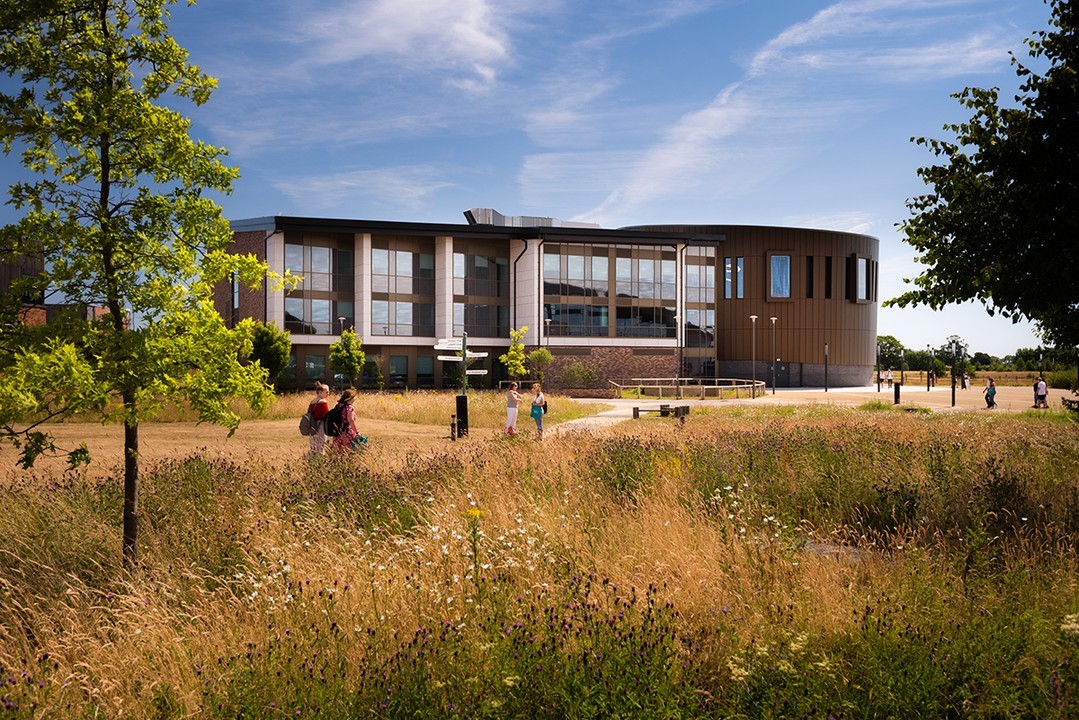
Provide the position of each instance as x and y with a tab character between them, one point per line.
319	408
539	406
343	418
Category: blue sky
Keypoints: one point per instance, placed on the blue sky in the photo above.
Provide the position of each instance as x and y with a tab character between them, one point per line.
620	112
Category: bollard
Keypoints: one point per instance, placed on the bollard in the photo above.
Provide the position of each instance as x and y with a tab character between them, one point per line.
896	387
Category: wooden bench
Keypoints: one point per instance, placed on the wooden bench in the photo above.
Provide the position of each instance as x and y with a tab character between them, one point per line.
678	411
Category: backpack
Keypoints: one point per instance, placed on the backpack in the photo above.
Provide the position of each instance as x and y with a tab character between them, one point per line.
308	424
335	420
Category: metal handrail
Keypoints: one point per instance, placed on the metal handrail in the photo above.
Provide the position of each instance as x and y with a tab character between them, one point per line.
702	387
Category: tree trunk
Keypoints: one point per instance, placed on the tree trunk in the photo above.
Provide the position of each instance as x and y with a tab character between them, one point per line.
131	485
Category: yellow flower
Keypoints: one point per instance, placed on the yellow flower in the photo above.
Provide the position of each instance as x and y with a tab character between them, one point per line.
474	513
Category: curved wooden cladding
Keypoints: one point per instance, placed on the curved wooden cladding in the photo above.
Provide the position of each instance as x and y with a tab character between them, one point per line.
803	325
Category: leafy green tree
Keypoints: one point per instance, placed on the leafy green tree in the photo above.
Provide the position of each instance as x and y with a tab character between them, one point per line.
1000	221
347	357
271	348
115	206
538	361
514	358
891	350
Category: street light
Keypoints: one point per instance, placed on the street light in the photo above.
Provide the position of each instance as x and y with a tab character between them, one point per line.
953	372
547	330
341	319
773	319
825	367
678	344
753	367
878	366
902	367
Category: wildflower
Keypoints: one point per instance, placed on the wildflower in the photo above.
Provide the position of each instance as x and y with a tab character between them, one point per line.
1070	626
474	513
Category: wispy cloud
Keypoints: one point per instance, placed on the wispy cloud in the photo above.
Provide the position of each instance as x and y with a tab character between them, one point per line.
405	186
820	75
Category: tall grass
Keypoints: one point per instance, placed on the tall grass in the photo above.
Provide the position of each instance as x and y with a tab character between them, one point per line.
486	408
788	563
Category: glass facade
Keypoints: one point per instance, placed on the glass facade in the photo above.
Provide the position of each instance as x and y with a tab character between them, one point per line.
325	295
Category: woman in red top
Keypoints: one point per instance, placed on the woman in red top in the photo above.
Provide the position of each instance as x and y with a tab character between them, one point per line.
318	408
349	432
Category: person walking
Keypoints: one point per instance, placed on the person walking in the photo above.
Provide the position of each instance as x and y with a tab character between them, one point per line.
512	399
319	408
348	436
1041	394
539	407
990	393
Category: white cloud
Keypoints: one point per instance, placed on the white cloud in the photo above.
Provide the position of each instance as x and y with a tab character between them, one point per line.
821	76
467	41
405	186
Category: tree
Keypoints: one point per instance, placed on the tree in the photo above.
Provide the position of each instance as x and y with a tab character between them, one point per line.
1000	222
347	357
538	361
514	358
891	351
271	348
115	210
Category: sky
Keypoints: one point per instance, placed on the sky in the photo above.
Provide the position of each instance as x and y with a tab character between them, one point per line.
619	112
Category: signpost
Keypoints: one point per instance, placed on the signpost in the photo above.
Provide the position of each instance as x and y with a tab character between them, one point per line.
460	345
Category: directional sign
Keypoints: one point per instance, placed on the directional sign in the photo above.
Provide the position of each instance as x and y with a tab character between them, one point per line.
476	355
475	372
450	358
448	344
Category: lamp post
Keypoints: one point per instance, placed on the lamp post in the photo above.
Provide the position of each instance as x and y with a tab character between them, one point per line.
953	373
878	366
753	365
825	367
547	330
773	319
902	366
341	320
678	344
929	367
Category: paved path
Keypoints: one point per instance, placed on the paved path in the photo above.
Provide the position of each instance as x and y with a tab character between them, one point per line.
1009	399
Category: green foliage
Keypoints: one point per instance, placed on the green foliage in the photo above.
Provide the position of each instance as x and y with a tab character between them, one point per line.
578	374
538	361
270	347
1061	379
999	223
116	206
890	350
347	356
372	375
514	357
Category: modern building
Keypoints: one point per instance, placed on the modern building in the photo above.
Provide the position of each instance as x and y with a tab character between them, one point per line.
699	301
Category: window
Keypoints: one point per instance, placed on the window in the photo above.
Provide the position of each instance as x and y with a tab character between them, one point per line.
828	277
809	277
398	370
315	367
568	320
402	319
326	292
425	371
739	267
481	319
779	267
728	279
863	278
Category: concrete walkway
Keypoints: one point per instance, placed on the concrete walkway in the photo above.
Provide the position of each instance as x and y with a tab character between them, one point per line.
1009	399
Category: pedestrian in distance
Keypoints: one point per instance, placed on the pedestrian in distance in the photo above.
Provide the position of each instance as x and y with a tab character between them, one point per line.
539	407
990	393
513	398
319	407
889	378
348	436
1041	394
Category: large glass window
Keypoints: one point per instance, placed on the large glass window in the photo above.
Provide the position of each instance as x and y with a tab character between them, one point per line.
577	320
645	322
481	320
315	367
326	292
402	319
700	329
863	278
779	276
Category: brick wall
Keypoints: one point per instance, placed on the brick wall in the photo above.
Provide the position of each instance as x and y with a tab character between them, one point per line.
612	363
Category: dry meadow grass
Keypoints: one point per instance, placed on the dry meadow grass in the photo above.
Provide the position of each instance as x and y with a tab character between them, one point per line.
269	581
